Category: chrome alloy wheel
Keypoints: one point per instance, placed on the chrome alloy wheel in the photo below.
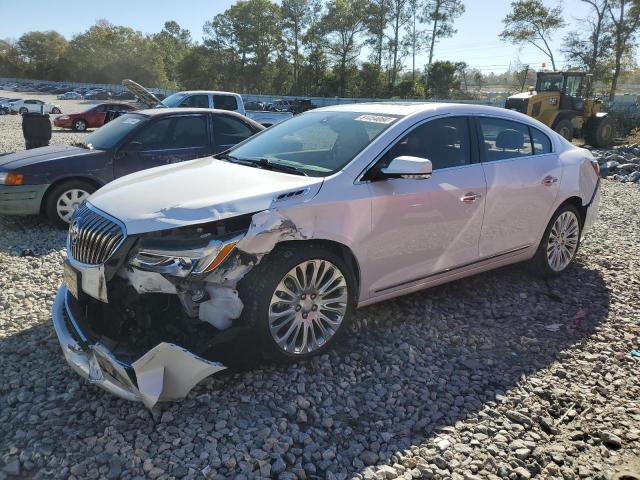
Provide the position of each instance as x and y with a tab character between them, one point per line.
308	306
563	241
69	201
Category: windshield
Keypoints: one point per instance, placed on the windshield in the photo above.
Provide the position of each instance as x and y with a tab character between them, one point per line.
316	143
111	133
173	100
549	83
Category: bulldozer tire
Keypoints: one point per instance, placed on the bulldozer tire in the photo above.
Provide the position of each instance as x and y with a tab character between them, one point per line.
565	128
600	131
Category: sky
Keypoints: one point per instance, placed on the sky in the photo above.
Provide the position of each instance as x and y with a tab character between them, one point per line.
476	42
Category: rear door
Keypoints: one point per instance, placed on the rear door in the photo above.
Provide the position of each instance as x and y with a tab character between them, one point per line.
225	102
523	175
167	140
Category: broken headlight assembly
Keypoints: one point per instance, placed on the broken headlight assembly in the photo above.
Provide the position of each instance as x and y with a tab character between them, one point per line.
189	250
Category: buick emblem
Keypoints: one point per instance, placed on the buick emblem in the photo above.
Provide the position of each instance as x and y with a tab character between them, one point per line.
74	230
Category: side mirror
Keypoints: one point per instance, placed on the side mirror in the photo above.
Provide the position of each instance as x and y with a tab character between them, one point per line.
133	146
407	166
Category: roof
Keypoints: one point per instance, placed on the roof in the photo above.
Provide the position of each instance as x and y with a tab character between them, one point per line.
154	112
211	92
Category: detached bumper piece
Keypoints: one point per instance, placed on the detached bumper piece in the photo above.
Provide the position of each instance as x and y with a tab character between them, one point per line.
166	372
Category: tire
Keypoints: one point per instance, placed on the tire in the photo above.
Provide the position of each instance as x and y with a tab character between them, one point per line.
565	128
3	111
62	196
55	111
600	131
23	110
264	297
543	263
79	125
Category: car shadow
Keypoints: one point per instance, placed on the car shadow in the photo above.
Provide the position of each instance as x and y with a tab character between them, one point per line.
409	368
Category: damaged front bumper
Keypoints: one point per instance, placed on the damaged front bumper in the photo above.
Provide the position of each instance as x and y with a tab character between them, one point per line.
166	372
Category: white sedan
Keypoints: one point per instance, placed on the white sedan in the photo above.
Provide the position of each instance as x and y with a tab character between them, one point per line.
274	244
34	106
69	96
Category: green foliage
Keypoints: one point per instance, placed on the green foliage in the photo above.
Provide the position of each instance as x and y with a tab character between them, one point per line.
530	21
445	79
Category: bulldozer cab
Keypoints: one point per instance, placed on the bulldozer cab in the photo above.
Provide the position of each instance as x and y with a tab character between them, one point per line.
570	85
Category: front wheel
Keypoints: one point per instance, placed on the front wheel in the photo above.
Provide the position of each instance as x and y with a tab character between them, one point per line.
560	242
300	299
565	129
600	131
64	199
79	125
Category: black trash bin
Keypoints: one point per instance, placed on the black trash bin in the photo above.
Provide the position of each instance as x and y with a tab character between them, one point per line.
36	129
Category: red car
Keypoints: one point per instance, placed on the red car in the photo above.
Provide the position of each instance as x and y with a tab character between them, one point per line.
93	117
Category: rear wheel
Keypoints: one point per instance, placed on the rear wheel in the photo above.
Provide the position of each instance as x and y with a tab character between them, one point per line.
22	111
55	110
560	242
79	125
600	131
300	299
565	128
65	198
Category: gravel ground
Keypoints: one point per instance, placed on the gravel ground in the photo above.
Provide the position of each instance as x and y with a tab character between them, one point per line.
495	376
11	138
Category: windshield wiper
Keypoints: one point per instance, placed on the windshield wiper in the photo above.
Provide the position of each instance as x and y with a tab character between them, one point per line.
82	145
269	165
262	163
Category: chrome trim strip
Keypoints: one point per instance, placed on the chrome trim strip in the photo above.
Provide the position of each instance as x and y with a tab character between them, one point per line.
452	269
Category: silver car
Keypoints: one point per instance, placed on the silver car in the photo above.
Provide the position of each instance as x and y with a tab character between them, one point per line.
271	246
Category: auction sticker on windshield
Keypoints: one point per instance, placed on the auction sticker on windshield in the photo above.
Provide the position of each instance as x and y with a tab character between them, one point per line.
131	121
375	119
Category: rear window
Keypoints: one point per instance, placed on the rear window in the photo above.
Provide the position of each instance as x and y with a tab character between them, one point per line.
504	139
225	102
541	143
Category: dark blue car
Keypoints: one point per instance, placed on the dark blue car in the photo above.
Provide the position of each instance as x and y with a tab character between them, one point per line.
54	180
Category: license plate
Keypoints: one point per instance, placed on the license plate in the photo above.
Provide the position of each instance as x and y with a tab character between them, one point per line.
70	279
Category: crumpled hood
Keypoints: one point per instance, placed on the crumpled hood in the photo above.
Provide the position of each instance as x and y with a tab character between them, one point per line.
14	161
193	192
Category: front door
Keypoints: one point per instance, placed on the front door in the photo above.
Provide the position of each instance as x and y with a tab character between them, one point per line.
523	177
167	140
422	227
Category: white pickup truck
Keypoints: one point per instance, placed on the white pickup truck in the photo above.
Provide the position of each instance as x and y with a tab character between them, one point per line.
206	99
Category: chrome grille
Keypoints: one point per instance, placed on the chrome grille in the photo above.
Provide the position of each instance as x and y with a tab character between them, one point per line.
93	238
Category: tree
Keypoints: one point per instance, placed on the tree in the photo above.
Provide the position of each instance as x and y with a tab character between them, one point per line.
172	43
625	15
530	21
41	52
345	21
249	31
397	19
591	48
440	14
444	79
376	22
415	36
296	15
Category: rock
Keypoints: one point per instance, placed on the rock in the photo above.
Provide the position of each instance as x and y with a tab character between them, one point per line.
368	457
12	467
167	417
278	466
518	417
522	472
385	472
611	440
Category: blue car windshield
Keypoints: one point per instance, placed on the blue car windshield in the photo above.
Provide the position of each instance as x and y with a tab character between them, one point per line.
110	134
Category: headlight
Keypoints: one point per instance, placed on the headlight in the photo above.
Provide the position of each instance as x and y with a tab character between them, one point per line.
181	260
11	178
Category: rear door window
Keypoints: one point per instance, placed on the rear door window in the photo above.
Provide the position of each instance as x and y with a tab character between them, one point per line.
196	101
229	131
504	139
225	102
190	132
541	143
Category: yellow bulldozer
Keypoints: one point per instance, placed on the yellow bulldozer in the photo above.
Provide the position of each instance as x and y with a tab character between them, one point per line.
560	101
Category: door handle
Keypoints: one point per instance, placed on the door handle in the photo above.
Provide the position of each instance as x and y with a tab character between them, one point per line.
549	180
470	197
